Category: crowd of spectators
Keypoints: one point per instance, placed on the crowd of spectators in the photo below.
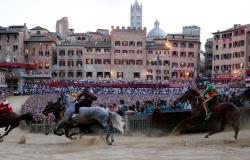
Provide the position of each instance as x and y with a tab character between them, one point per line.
139	101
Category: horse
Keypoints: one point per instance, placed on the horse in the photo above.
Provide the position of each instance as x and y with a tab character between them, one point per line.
11	120
225	113
58	109
89	115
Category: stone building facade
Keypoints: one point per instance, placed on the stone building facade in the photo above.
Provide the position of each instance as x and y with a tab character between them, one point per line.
231	52
208	57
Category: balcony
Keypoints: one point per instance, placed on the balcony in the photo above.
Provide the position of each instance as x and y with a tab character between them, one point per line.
35	74
183	68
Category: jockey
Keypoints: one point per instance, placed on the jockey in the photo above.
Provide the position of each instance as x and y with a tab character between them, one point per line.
212	97
89	97
5	106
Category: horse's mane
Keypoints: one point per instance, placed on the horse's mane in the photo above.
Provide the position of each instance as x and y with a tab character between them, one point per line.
194	91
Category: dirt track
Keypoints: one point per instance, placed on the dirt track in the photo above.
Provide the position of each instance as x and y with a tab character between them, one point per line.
184	147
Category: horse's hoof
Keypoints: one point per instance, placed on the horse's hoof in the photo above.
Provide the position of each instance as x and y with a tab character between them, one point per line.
206	136
1	139
110	143
46	133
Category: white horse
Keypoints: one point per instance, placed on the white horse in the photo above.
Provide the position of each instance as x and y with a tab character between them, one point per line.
107	120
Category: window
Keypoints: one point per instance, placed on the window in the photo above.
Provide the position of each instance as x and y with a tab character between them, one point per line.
183	54
174	74
131	51
99	74
131	62
8	38
106	61
190	65
124	61
79	63
89	74
33	51
89	50
166	63
216	47
150	52
191	54
139	44
70	63
117	43
117	61
71	53
15	48
224	46
139	51
124	43
61	63
166	72
0	47
182	64
139	62
47	53
174	64
97	50
183	45
175	44
61	74
190	45
230	45
124	51
117	51
136	74
119	74
46	65
174	54
158	71
106	74
131	43
79	53
61	53
89	61
38	32
40	52
78	74
98	61
70	74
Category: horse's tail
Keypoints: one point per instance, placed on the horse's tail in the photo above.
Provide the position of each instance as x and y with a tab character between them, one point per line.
27	117
116	120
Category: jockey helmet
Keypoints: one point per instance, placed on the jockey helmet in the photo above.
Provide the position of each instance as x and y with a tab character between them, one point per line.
5	101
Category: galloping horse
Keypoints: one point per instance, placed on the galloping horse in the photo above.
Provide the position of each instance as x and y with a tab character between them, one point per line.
88	115
58	109
12	120
225	113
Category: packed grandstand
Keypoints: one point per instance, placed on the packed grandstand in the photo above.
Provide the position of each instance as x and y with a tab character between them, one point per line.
139	100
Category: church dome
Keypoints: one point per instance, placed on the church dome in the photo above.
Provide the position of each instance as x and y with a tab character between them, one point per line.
156	32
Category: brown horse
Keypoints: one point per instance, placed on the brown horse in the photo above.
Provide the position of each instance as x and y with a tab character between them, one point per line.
12	120
224	113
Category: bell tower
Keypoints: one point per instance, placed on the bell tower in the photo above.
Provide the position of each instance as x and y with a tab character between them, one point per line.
136	15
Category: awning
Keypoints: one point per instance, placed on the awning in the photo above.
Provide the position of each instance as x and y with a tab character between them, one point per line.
225	79
18	65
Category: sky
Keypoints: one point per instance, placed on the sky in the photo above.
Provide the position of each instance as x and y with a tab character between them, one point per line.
88	15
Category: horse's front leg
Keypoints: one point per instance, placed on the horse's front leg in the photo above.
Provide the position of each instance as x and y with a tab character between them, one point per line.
184	123
6	133
110	133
